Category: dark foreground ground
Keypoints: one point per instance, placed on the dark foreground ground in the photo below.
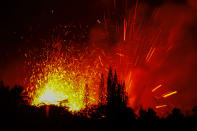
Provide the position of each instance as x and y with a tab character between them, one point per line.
15	113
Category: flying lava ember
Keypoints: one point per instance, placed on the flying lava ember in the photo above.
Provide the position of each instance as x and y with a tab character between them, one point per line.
149	48
61	75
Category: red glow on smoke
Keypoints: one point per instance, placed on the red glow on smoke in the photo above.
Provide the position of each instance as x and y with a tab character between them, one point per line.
152	50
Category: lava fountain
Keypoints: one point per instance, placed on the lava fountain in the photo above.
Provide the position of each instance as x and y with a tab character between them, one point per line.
62	75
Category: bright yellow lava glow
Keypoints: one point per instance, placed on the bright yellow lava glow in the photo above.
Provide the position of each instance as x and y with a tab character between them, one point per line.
57	91
64	79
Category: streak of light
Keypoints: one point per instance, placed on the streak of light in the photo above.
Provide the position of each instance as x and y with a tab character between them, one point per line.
157	87
125	29
100	60
129	81
135	14
169	94
150	54
98	21
120	54
160	106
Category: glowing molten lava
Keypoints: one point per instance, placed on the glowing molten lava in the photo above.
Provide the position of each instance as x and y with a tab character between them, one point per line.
62	77
57	91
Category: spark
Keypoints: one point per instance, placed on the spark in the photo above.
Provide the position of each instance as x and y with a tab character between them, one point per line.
150	54
160	106
157	87
125	29
120	54
129	81
58	79
169	94
135	14
100	60
98	21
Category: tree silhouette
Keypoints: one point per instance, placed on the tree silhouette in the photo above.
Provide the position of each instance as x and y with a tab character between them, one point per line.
101	91
110	90
149	114
117	98
175	115
14	111
194	110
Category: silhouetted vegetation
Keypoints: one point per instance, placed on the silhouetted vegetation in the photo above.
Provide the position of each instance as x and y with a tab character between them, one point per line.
14	109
